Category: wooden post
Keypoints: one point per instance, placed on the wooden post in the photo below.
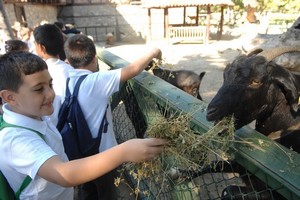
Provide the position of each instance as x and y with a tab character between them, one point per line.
207	25
149	35
220	28
184	16
166	22
197	15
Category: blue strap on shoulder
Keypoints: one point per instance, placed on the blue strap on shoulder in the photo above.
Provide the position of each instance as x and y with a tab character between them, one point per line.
104	123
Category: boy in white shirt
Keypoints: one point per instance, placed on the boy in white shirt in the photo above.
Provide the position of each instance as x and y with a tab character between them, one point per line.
26	87
49	43
94	95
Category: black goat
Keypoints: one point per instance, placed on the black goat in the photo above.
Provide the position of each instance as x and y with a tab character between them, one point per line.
185	80
257	89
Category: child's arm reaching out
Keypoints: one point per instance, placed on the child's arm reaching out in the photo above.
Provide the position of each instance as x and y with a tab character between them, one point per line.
139	65
79	171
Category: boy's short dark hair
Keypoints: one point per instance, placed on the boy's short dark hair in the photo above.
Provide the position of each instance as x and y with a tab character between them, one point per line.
15	45
80	50
15	65
60	25
50	36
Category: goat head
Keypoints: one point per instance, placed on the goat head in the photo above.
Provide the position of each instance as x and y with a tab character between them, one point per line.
185	80
253	88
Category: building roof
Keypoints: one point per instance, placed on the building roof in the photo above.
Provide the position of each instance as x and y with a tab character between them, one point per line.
183	3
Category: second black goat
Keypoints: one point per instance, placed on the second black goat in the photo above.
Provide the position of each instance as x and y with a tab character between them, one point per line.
185	80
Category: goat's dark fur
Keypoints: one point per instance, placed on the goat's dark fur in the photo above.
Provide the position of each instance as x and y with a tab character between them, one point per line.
185	80
255	89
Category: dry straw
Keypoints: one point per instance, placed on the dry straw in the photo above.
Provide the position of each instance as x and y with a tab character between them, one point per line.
186	150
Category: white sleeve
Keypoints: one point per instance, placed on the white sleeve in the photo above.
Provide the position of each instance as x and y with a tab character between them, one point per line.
26	151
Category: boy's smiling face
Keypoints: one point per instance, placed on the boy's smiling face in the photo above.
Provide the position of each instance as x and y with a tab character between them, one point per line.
35	96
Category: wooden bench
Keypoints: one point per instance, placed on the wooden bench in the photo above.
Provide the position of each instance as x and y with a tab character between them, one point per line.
187	33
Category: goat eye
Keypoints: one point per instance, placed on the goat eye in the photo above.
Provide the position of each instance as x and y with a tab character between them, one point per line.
194	92
255	84
171	75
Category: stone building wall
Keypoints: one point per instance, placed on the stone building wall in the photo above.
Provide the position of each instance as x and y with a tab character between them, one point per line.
34	14
129	23
9	8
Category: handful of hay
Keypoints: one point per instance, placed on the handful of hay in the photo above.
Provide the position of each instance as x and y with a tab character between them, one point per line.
186	149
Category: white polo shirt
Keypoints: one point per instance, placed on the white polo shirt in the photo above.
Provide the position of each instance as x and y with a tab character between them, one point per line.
23	152
93	96
59	71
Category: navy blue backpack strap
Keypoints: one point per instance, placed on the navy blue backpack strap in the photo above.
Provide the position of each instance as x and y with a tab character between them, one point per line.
67	87
78	83
76	89
77	137
63	113
104	124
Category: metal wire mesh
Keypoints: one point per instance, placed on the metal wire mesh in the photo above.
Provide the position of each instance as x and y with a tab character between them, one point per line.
218	180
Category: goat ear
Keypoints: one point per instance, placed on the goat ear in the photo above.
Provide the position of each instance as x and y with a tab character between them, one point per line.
286	81
150	65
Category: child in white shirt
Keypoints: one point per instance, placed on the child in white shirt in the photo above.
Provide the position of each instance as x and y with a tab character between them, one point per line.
94	95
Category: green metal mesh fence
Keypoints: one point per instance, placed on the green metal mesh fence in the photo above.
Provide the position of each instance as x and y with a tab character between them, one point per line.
220	180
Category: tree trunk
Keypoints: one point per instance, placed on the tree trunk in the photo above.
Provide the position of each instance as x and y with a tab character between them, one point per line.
7	28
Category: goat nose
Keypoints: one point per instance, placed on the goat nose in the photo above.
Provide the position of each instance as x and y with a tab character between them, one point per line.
211	113
199	96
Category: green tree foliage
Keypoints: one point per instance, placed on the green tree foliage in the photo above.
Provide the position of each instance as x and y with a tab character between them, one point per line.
281	6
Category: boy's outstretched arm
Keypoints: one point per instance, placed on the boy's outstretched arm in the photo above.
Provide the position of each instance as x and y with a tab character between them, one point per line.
79	171
139	65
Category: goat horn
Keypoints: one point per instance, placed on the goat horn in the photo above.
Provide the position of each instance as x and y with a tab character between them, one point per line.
273	53
254	51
